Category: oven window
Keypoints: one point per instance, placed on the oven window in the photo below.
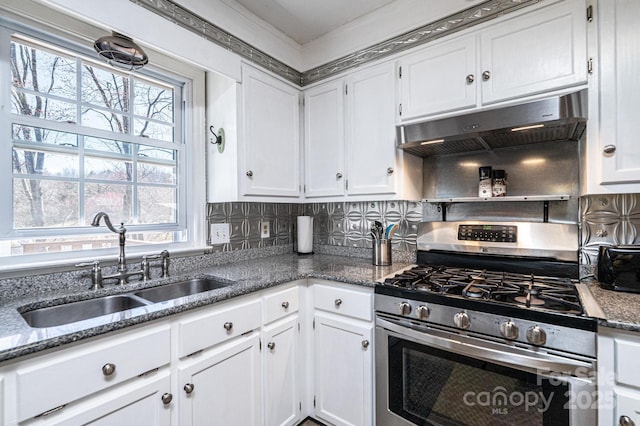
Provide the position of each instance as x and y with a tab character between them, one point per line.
433	387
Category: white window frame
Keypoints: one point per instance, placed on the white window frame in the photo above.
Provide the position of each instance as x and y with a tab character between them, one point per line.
191	213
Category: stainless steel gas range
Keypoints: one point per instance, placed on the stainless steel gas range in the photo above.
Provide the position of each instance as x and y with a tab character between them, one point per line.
488	329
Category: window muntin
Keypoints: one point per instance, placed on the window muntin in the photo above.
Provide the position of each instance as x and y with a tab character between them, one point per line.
90	139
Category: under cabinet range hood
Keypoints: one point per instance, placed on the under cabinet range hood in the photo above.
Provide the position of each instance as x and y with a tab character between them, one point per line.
559	118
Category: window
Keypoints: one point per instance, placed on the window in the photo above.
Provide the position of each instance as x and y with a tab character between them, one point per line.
86	137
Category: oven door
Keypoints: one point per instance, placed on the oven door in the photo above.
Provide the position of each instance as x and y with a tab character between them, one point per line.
426	376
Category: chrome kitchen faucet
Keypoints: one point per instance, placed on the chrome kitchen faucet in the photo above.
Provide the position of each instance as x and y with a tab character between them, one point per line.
123	274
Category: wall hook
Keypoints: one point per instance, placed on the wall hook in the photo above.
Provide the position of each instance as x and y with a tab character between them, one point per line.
219	138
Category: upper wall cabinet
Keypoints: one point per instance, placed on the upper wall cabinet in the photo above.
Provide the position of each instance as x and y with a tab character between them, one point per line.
271	124
350	142
533	53
261	121
613	151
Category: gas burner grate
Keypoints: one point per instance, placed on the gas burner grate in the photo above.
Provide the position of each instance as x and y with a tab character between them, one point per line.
520	290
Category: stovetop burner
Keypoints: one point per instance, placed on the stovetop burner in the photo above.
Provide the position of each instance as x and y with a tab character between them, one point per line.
518	290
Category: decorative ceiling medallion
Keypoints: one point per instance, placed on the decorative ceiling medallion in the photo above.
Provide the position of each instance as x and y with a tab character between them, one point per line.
458	21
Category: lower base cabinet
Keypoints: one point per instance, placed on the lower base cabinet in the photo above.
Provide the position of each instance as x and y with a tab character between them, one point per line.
618	377
343	353
281	373
223	386
144	402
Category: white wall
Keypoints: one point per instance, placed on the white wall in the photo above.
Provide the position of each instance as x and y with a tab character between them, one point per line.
149	30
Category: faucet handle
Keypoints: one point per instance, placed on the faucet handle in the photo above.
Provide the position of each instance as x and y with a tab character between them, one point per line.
164	255
96	273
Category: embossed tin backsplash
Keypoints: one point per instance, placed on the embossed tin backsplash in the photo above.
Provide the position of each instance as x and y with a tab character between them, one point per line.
605	220
336	224
608	220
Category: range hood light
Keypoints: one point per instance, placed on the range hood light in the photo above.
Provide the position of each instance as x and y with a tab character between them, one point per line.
432	142
519	129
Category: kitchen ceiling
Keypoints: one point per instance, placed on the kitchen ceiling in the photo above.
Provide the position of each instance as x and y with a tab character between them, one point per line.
307	20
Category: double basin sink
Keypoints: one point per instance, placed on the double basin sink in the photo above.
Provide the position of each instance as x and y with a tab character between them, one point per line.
85	309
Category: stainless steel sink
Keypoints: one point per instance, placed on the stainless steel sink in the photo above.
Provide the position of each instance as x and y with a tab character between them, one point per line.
180	289
77	311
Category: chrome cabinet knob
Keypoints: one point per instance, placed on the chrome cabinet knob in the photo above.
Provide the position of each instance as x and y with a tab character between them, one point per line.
470	78
404	308
108	369
338	302
422	312
188	388
365	344
509	329
228	326
626	421
166	398
285	305
536	335
609	149
390	170
462	320
249	173
338	175
486	75
271	345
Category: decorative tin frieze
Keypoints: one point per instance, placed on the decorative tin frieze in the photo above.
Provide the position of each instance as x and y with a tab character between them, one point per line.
458	21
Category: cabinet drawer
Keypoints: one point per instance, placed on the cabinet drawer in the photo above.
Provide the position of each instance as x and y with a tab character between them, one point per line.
217	325
281	304
356	303
627	353
57	379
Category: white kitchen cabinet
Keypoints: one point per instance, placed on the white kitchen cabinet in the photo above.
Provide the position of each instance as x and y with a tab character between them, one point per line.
618	376
533	53
281	355
281	372
343	354
270	140
611	160
222	386
147	401
52	382
350	140
439	78
324	144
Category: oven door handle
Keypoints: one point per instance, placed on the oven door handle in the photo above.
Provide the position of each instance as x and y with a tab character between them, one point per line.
502	354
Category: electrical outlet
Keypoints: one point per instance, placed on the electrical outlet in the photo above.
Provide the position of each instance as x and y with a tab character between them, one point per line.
265	230
219	233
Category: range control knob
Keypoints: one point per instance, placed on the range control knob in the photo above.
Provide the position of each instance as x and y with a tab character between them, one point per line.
536	335
422	312
509	329
404	308
462	320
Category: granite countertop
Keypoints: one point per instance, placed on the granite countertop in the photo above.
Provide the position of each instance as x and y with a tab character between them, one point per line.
17	338
620	310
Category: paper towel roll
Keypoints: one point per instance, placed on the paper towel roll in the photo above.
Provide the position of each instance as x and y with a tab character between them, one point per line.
305	234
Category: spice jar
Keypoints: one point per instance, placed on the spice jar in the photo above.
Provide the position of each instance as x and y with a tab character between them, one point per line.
484	187
499	187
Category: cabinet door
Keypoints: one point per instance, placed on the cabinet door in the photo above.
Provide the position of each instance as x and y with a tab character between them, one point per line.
282	399
371	144
324	140
627	404
147	401
619	90
270	117
343	370
224	386
536	52
439	79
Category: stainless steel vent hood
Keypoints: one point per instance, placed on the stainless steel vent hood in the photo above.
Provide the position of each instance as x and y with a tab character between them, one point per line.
559	118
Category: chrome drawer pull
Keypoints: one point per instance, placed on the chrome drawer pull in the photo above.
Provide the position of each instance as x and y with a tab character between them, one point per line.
228	326
189	387
167	398
285	305
108	369
338	302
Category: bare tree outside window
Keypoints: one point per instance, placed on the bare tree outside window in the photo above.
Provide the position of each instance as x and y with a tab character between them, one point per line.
65	173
